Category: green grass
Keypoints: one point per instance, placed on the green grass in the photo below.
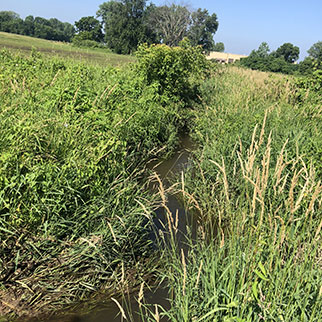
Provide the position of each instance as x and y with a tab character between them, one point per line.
255	184
75	208
25	44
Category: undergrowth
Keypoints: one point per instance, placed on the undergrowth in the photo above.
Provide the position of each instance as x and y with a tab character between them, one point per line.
255	186
76	211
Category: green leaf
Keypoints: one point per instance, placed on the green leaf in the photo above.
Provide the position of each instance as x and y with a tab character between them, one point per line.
212	312
254	289
262	268
261	275
232	304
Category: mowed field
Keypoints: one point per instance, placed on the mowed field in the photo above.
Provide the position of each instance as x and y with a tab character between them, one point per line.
25	44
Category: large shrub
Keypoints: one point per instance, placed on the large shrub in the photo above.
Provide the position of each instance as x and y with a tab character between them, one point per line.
309	88
174	71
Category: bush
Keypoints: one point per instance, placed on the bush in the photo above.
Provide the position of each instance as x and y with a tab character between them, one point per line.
83	40
176	72
269	64
309	88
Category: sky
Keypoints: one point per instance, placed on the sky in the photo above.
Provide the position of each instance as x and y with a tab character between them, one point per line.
243	24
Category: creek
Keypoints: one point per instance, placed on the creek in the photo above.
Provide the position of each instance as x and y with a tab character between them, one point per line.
108	311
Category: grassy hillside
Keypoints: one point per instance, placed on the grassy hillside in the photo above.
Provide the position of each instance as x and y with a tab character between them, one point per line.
25	44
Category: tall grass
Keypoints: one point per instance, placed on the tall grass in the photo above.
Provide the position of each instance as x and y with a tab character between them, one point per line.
255	184
76	212
75	207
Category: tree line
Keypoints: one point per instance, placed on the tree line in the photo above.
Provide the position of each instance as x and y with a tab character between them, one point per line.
124	24
121	25
51	29
283	60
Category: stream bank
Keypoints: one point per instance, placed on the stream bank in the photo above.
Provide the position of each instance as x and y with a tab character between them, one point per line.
164	170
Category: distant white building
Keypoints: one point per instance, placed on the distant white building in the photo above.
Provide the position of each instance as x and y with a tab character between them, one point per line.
224	58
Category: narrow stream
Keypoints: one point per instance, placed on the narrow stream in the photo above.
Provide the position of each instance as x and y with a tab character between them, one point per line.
109	312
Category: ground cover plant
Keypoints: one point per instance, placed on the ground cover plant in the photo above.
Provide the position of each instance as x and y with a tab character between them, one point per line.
75	207
255	186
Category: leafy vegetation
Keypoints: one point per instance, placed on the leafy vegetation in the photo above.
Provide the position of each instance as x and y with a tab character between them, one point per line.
316	51
175	73
77	214
50	29
283	60
126	23
255	187
91	27
310	88
219	46
76	211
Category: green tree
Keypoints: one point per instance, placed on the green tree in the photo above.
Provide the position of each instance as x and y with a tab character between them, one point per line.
203	28
6	17
289	52
261	59
91	26
263	50
124	24
39	27
52	29
306	67
219	47
29	25
43	29
69	31
11	22
316	51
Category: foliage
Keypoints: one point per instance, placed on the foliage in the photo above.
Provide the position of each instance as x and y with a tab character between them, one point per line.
219	47
316	52
51	29
175	72
255	185
173	22
268	64
74	142
306	66
262	51
11	22
170	23
280	61
124	24
309	89
203	28
91	27
289	52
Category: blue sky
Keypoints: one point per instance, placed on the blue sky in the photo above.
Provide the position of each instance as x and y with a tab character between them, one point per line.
243	24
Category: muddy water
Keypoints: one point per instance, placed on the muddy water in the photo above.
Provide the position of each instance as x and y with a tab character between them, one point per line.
109	312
